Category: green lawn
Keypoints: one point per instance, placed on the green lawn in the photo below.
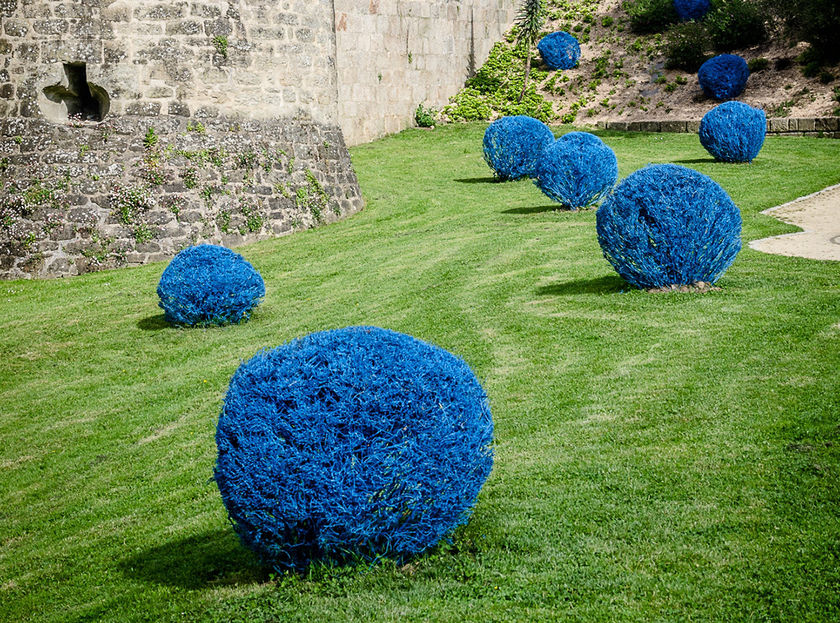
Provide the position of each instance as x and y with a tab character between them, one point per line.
659	457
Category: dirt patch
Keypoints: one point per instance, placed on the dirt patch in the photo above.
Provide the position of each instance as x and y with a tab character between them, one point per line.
698	287
819	217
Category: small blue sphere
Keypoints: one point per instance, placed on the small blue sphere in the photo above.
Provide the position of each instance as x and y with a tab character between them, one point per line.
578	170
209	285
350	445
559	50
512	145
733	132
692	9
724	76
669	225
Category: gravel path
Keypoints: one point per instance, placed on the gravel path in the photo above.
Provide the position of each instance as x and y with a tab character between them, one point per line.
819	217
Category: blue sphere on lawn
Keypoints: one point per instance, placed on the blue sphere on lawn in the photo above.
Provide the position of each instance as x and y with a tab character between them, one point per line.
512	145
559	50
724	76
692	9
578	170
209	285
733	132
351	444
669	225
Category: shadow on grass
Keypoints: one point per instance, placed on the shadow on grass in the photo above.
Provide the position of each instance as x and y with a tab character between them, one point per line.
695	161
153	323
611	284
536	209
479	180
215	558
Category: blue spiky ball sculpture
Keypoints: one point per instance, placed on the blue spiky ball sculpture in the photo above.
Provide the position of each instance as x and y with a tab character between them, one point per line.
669	225
733	132
512	146
351	445
692	9
578	170
724	76
209	285
559	50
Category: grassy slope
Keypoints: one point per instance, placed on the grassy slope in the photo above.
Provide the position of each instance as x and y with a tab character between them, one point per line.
659	457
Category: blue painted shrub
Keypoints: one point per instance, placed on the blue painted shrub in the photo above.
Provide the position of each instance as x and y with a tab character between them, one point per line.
350	445
692	9
559	50
669	225
578	170
512	145
209	285
724	76
733	132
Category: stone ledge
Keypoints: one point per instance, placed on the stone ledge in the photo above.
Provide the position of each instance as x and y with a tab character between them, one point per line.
828	127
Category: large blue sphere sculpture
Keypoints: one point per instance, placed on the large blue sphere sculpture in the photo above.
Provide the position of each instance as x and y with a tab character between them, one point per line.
578	170
669	225
559	50
733	132
692	9
512	145
351	444
724	76
209	285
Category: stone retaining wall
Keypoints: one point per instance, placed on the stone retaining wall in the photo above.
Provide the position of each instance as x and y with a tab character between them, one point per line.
821	126
85	196
392	55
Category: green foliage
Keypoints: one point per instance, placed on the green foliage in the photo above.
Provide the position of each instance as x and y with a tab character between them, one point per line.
686	46
150	141
220	42
735	24
649	16
758	64
190	177
130	202
814	21
496	88
424	117
529	22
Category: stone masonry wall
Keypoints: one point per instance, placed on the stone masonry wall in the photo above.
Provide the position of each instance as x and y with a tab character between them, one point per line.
257	58
395	54
87	196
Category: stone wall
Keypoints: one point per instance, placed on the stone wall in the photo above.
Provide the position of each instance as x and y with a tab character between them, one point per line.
258	59
395	54
87	196
828	127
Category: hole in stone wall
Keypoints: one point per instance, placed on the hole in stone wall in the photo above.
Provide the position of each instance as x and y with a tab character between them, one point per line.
84	101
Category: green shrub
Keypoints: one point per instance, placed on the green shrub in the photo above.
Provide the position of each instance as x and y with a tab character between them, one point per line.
814	21
735	24
685	46
496	88
758	64
650	15
424	117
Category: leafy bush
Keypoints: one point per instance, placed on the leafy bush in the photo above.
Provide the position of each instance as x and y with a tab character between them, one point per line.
512	146
757	64
691	9
814	21
733	132
648	16
723	77
496	88
209	285
685	46
424	117
735	24
559	50
351	445
577	170
669	225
